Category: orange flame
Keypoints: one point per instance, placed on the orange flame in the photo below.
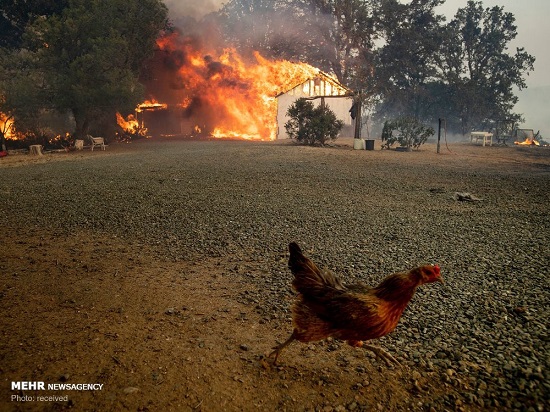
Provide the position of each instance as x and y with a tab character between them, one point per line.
528	142
528	135
228	95
6	127
150	105
127	124
130	124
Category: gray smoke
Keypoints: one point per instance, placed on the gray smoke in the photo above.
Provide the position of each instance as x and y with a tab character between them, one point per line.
192	8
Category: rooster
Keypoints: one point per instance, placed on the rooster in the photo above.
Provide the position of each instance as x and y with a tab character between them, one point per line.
326	308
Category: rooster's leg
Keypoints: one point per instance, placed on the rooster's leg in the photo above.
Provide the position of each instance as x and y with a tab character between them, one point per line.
382	354
280	347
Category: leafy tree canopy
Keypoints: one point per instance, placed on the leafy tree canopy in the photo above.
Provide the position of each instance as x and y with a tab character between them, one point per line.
405	64
15	15
477	69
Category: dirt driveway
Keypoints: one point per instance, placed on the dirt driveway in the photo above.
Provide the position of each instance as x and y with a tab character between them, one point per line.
82	303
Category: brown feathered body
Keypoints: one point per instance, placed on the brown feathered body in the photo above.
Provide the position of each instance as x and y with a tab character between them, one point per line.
325	307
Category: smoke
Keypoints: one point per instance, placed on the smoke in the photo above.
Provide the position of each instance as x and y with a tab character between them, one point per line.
196	9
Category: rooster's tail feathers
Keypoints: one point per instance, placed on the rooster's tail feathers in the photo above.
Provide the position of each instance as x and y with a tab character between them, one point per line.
307	276
294	249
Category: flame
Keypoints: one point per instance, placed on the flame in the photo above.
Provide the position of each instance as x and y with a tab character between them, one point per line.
7	127
150	105
228	95
528	142
529	137
131	125
128	124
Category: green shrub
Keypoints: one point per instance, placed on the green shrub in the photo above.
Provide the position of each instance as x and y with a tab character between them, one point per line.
407	131
312	125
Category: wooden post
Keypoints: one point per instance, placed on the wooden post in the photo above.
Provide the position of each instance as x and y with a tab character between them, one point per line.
357	132
35	149
439	135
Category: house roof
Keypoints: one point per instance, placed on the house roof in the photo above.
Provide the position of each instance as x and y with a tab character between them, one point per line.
324	77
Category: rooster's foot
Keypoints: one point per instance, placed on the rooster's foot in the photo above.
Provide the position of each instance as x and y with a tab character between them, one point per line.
389	359
274	355
279	348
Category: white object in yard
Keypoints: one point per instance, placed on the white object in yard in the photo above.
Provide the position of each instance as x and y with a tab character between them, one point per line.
486	137
358	144
79	144
35	149
97	141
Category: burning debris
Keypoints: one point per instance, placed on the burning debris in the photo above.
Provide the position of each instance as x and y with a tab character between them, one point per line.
527	137
150	105
132	126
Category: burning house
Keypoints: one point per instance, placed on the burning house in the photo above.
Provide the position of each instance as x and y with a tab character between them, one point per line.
321	89
200	92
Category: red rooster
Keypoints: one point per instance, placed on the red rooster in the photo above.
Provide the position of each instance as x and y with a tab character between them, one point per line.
324	307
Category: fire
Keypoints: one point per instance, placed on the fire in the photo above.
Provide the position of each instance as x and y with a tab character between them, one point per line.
150	105
225	95
530	138
131	125
128	124
6	127
528	142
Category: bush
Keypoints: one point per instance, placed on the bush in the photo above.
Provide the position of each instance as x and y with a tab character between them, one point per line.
312	125
407	131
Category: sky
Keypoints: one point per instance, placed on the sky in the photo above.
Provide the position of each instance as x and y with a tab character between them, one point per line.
533	28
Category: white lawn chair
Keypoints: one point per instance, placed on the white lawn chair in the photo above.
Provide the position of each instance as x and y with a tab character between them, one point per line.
97	141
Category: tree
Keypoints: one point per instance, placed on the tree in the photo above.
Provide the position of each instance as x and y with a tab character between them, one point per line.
87	59
405	64
312	125
341	34
477	70
15	15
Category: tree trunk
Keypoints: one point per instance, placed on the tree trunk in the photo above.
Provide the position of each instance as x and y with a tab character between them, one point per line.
82	124
35	149
357	120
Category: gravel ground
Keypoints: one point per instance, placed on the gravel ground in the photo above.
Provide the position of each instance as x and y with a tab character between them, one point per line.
361	214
